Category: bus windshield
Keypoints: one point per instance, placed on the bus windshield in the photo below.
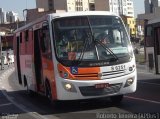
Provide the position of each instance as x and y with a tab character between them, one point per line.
90	39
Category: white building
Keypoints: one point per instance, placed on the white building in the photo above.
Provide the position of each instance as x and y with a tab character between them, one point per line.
8	17
128	8
11	17
67	5
114	6
2	16
119	7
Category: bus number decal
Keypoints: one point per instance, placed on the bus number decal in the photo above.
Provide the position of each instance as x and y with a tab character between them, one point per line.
117	68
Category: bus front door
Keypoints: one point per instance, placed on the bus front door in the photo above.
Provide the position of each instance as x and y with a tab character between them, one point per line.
38	61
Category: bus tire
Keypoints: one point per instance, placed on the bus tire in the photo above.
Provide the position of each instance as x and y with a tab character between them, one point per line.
53	102
116	99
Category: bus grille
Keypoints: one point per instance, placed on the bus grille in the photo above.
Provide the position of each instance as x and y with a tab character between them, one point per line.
105	75
92	91
112	74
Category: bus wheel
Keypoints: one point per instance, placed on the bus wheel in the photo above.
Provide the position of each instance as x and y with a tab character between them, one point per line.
54	103
116	99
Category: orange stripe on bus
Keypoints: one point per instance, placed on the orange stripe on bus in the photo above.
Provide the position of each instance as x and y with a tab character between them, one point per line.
84	73
48	71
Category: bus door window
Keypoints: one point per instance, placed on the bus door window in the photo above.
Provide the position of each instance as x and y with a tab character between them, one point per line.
37	58
45	42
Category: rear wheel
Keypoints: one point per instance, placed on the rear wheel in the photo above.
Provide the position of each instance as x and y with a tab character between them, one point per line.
116	99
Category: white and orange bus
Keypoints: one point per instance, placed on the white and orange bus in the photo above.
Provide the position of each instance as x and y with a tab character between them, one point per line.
76	55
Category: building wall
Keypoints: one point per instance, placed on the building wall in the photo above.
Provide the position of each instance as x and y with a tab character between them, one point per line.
68	5
60	4
114	6
147	6
42	4
150	16
11	17
102	6
150	5
85	5
119	7
131	23
129	8
2	16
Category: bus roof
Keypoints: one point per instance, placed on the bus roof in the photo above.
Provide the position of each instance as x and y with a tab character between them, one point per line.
66	14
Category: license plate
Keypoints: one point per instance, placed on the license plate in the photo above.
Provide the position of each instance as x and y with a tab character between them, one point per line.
118	68
101	86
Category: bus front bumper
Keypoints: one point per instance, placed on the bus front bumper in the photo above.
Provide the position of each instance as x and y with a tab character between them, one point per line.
78	89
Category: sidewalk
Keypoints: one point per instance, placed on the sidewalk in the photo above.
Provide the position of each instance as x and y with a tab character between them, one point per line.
142	68
142	71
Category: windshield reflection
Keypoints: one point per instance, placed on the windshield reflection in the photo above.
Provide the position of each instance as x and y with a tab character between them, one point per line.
87	38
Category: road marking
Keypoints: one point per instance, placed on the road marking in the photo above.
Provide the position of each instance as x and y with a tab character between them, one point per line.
7	104
141	99
148	83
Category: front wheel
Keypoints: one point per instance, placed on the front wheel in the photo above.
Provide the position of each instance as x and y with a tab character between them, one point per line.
116	99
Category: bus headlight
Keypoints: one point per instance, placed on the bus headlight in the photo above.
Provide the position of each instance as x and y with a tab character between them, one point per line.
69	87
129	82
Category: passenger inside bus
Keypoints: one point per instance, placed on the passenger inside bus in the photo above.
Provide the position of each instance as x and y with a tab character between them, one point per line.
70	41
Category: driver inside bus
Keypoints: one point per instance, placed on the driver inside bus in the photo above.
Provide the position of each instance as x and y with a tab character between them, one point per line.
104	38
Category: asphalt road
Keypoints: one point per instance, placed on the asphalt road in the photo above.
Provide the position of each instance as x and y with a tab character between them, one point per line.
16	104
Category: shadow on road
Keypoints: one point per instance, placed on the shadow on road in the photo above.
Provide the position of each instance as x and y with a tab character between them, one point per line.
41	104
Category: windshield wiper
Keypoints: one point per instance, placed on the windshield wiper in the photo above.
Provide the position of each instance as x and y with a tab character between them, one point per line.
77	62
87	41
108	49
96	41
91	39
